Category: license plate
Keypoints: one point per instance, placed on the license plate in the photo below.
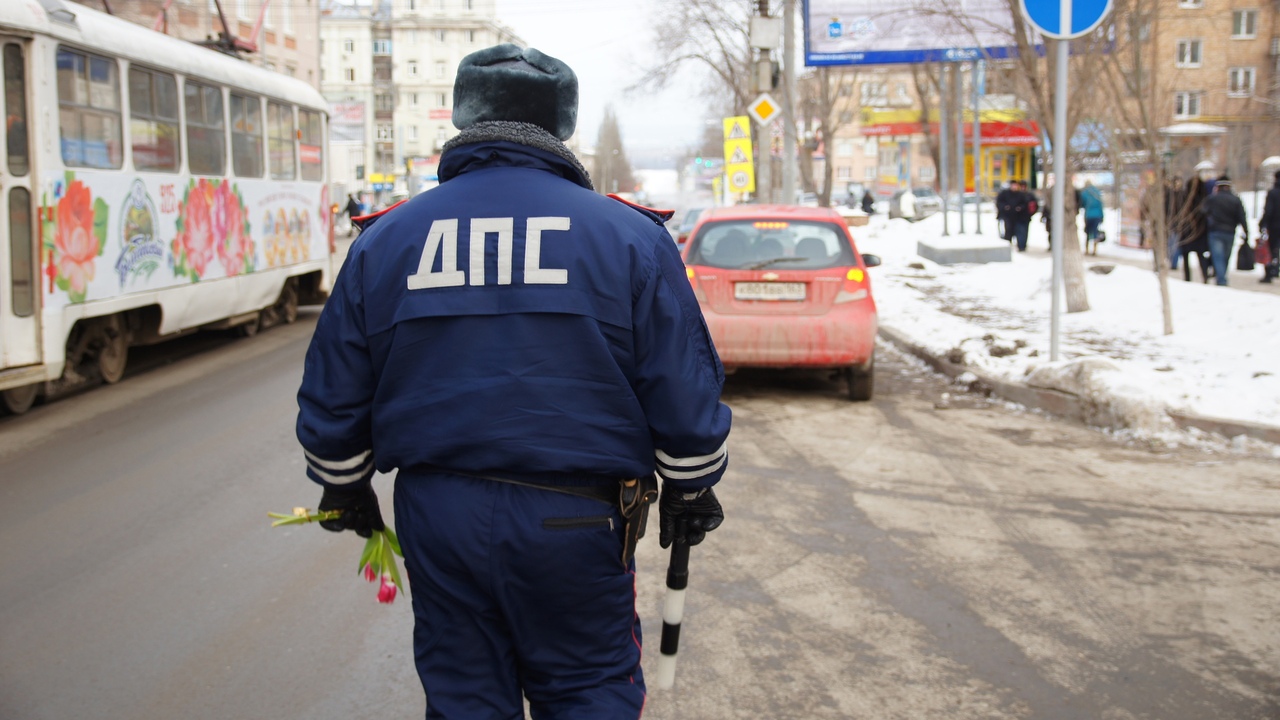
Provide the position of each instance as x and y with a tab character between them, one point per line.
768	291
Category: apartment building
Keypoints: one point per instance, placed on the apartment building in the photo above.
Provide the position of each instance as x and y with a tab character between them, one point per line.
388	71
286	41
1215	70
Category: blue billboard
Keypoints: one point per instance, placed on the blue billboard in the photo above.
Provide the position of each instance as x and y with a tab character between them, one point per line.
875	32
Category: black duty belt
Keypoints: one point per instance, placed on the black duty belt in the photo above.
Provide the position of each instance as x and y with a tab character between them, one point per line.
632	497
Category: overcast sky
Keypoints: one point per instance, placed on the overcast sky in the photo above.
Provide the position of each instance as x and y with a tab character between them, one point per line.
606	42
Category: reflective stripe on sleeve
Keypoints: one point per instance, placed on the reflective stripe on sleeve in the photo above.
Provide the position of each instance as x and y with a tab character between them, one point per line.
690	468
341	472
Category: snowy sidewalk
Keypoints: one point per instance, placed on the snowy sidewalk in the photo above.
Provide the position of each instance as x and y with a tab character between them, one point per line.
1219	371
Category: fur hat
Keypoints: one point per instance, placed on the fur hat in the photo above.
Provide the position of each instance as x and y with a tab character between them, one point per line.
506	82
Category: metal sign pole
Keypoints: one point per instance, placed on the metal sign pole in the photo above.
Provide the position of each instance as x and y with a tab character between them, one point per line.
957	93
1058	231
942	146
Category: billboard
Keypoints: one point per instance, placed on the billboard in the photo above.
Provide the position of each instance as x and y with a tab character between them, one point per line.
873	32
346	122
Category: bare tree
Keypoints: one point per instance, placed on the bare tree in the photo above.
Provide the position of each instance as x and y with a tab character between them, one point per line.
827	99
711	36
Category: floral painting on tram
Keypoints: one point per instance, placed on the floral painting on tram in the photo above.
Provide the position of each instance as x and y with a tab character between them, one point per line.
75	234
212	225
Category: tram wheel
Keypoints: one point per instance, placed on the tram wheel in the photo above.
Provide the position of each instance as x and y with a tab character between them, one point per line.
113	356
20	399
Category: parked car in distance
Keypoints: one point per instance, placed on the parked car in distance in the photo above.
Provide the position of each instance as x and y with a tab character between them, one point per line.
927	202
686	225
783	286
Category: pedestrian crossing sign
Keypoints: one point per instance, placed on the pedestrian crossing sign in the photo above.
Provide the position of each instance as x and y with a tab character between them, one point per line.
739	167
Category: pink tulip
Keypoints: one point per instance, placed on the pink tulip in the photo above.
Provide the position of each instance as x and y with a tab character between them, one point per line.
369	573
387	592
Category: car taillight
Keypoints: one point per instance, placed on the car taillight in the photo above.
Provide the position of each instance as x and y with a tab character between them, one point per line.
693	282
854	287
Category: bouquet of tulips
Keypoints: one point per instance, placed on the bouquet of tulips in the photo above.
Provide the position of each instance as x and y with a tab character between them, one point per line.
377	562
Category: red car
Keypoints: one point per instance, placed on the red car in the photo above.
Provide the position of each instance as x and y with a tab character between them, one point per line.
785	287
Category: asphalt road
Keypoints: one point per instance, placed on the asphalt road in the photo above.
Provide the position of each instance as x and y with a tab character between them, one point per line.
916	556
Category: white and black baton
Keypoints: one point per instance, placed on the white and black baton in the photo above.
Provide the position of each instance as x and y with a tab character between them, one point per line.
673	610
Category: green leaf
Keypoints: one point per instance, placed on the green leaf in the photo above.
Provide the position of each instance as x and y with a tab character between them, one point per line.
63	284
395	541
370	547
100	213
68	177
395	573
76	297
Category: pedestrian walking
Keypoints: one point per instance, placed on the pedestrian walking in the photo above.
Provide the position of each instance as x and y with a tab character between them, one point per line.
868	203
1091	200
353	210
1269	228
1195	229
1016	205
526	386
1223	212
1046	214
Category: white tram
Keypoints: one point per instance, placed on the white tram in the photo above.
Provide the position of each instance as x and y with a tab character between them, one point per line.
148	188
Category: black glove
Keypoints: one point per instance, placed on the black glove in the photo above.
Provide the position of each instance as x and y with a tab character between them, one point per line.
359	506
687	517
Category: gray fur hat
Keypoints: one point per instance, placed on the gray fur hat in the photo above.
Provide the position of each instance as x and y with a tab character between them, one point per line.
506	82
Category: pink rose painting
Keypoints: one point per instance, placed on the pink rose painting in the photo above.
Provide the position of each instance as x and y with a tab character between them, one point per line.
212	224
77	237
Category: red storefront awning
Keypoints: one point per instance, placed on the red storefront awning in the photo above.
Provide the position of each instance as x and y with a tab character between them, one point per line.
1021	134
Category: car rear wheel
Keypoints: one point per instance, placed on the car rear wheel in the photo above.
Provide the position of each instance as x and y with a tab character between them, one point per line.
861	381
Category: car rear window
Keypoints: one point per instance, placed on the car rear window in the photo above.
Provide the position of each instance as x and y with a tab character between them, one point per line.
781	244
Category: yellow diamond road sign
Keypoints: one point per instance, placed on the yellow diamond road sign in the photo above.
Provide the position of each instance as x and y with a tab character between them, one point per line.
765	109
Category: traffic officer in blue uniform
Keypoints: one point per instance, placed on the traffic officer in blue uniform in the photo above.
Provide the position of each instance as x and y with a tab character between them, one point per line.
527	354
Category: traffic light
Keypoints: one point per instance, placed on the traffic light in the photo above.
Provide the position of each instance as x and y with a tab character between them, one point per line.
697	160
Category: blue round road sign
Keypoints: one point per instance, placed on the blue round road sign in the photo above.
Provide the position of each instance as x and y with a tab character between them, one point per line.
1046	16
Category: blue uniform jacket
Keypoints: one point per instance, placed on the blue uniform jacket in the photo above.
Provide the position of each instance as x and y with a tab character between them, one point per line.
511	322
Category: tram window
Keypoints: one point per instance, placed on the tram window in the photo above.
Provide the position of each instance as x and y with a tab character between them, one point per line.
153	120
89	110
206	129
246	135
15	104
311	148
21	260
281	135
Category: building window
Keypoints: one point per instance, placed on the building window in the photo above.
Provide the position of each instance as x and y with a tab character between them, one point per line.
413	5
869	173
1244	24
1241	81
206	129
413	37
1188	54
246	135
471	5
844	173
471	36
844	148
348	45
413	132
1190	3
441	35
875	94
349	74
1186	105
89	110
440	68
926	173
413	68
442	100
384	102
381	47
153	120
440	134
412	99
871	147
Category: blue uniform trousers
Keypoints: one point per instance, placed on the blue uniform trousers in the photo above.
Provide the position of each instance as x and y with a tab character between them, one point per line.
518	590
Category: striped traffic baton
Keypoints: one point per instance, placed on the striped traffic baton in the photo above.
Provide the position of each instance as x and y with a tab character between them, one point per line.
673	609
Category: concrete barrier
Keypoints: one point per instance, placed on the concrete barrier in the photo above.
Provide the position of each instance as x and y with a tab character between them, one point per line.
957	250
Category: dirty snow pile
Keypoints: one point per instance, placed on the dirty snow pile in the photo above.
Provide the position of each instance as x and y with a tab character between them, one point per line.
1223	360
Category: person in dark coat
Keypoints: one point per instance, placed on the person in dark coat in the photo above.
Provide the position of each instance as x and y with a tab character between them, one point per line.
1194	238
868	203
1223	212
1015	205
1269	225
527	354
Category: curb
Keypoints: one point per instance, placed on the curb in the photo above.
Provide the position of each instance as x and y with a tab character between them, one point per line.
1067	405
